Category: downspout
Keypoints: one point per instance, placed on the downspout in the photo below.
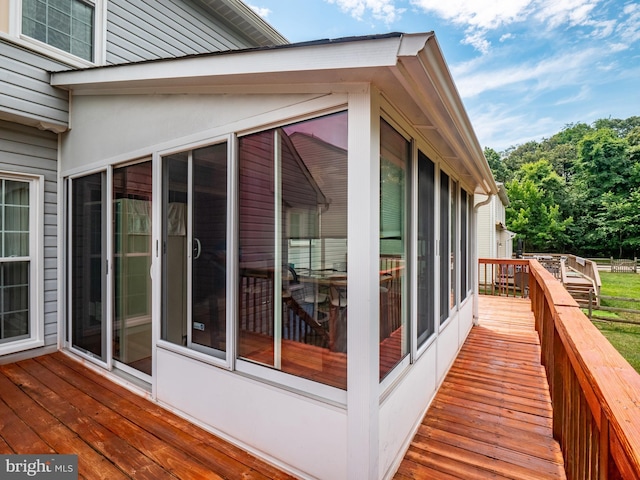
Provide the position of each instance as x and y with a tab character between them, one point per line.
475	254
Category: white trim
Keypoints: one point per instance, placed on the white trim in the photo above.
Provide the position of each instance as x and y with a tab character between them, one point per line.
36	261
286	381
16	36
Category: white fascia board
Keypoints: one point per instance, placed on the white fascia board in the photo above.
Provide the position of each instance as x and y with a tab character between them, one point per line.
256	21
428	71
290	64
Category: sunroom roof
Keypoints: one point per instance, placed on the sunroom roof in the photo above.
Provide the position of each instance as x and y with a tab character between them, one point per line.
408	70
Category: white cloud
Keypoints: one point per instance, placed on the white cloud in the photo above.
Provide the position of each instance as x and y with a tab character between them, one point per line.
478	14
506	36
479	17
629	29
583	94
384	10
261	11
563	69
498	127
559	12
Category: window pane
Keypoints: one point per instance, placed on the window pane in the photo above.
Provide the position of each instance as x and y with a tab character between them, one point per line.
426	248
464	205
453	297
14	208
132	197
209	273
88	262
394	161
14	300
445	259
64	24
293	262
174	265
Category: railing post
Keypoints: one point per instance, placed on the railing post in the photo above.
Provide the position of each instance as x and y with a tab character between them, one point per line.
590	304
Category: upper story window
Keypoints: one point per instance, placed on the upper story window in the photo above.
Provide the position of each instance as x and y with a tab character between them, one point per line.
69	31
64	24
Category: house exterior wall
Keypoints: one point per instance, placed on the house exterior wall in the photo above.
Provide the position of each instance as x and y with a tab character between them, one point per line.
150	29
26	93
278	423
26	150
135	31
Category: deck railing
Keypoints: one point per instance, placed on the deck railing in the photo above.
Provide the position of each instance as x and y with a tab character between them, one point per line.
594	391
504	277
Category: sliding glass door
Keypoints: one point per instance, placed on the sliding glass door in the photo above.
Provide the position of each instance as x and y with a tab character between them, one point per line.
109	266
132	202
194	249
88	260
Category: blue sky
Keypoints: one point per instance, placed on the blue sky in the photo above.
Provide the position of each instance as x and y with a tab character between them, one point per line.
524	68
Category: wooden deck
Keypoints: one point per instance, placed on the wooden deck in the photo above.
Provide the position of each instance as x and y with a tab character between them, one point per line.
491	419
55	405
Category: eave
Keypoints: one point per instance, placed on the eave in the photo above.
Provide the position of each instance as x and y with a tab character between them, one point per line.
427	96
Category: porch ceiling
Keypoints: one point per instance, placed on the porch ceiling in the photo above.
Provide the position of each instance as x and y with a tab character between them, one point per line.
408	70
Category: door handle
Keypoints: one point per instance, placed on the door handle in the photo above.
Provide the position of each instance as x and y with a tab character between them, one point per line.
197	248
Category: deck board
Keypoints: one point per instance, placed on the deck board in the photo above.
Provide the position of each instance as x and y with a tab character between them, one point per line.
491	419
492	416
53	404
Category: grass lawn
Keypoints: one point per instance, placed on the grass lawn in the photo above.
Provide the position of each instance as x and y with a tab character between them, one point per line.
624	337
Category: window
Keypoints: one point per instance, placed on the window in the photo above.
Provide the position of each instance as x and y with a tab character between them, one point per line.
453	197
395	153
464	229
293	302
445	259
64	24
19	247
425	248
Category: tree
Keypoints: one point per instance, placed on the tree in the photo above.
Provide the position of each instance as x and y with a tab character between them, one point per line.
534	218
499	170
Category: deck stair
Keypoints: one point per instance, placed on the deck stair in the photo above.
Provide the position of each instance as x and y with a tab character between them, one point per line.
581	287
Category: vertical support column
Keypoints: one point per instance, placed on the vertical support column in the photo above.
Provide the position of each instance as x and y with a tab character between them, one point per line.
363	286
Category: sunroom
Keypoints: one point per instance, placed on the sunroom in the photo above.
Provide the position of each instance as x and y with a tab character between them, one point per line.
278	243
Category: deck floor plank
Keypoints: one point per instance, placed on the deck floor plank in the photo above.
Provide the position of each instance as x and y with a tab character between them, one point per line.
492	416
116	433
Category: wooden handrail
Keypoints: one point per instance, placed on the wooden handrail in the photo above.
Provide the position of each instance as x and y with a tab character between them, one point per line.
594	391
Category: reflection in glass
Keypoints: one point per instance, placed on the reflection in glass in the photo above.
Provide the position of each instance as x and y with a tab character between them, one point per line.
132	188
394	163
209	271
293	248
88	260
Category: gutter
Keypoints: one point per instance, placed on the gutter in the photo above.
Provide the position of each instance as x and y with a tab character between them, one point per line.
475	263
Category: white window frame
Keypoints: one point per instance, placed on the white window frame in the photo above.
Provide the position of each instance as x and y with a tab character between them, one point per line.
36	264
15	35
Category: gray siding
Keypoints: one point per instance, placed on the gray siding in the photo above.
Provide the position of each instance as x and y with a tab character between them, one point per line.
28	150
26	93
148	29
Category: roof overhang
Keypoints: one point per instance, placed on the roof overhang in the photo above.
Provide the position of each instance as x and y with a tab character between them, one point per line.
408	69
244	21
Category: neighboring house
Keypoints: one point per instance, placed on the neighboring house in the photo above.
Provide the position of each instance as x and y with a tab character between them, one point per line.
277	242
494	238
